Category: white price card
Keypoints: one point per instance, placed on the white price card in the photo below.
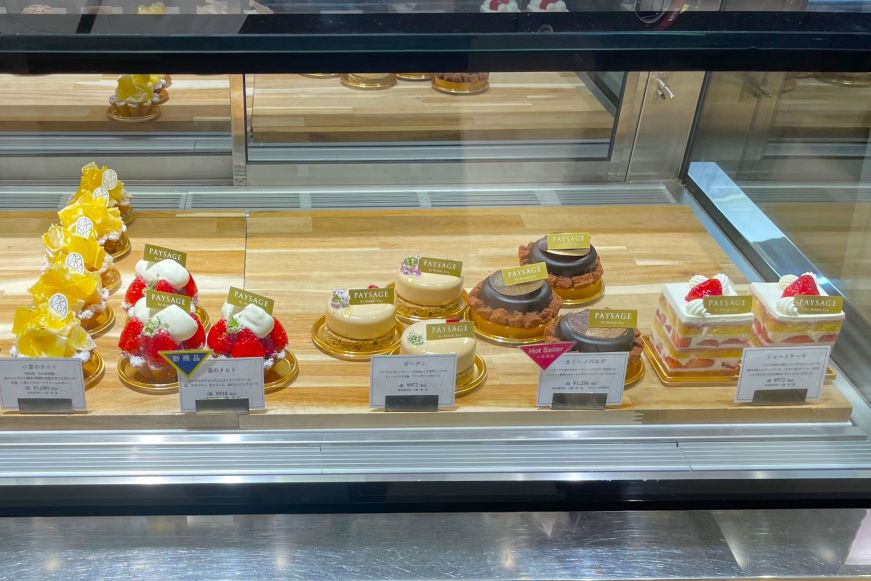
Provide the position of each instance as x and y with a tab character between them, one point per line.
586	373
782	368
411	376
38	378
224	379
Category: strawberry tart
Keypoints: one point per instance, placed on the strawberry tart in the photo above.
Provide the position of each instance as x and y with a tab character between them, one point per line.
688	338
777	320
150	331
248	331
499	6
166	276
546	6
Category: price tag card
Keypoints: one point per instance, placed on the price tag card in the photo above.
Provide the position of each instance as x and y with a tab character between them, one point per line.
419	377
53	384
224	379
584	373
782	369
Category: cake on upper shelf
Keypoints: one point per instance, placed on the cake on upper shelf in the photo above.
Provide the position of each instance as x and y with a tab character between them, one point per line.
688	338
134	98
418	340
424	294
500	6
574	274
248	331
359	327
779	320
546	6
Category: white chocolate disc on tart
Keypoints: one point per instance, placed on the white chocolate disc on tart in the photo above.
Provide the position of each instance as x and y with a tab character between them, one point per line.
428	289
414	342
361	322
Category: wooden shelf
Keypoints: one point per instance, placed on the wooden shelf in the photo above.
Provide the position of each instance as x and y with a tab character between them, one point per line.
298	257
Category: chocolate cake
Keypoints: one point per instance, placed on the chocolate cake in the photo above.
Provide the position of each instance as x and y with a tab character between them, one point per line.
568	269
576	327
526	305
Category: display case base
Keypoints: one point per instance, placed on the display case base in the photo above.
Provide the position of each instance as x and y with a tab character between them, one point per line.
93	370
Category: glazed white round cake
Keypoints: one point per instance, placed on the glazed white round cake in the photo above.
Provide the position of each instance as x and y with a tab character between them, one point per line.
414	342
429	289
361	322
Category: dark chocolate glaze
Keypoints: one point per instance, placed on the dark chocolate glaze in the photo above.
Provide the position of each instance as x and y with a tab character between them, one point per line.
563	264
536	300
576	327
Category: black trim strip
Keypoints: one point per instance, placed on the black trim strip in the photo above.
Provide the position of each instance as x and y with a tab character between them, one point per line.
434	42
377	497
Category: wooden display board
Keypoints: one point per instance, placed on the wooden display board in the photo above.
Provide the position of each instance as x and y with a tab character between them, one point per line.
298	257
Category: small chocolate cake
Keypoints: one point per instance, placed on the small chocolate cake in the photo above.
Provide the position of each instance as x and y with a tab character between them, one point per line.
523	298
526	305
576	327
564	262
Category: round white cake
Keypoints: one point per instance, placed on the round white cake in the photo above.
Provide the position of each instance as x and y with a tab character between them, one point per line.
361	322
428	289
414	342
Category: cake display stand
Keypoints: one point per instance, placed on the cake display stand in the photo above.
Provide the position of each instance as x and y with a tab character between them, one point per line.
455	88
282	373
318	337
573	297
93	370
111	280
101	324
414	76
369	81
122	248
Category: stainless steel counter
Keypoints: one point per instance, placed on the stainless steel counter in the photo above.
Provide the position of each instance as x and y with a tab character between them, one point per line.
592	545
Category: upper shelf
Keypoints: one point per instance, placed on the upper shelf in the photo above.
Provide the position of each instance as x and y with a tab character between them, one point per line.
371	36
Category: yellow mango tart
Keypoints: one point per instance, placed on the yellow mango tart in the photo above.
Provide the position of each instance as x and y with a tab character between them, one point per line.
89	217
47	331
83	290
65	249
94	177
133	98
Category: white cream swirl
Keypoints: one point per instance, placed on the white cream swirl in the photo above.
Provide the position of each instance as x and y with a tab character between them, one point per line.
786	306
696	308
786	280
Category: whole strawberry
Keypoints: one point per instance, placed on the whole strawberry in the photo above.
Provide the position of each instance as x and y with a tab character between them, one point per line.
164	287
247	345
129	340
135	291
710	287
279	336
803	285
220	341
161	341
199	336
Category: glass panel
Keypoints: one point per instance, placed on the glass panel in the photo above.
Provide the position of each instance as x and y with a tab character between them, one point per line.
72	117
799	147
415	117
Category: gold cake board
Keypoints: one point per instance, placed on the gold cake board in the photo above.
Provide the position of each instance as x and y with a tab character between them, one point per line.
295	258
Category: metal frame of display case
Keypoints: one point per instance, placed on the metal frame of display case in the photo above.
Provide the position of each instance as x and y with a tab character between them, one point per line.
444	469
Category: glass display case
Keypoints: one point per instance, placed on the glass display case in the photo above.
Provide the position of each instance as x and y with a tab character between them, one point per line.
670	165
